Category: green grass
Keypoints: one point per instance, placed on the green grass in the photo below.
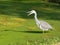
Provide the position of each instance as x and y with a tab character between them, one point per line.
16	28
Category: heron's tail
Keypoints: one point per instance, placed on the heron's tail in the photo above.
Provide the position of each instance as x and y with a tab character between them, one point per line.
52	28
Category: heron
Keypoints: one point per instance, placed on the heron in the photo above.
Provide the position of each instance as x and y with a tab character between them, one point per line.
44	26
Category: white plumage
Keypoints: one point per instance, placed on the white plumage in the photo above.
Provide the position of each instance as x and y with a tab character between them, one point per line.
40	23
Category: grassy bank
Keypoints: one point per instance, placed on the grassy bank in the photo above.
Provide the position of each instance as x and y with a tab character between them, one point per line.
16	28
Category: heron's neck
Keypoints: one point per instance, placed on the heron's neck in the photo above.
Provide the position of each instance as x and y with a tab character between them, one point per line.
36	17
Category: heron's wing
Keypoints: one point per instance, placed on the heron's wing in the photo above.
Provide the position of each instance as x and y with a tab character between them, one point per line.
45	25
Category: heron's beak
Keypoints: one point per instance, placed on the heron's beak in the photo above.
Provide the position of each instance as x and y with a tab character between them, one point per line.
29	13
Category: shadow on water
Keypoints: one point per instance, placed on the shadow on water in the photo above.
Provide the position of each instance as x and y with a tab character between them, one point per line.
28	31
19	9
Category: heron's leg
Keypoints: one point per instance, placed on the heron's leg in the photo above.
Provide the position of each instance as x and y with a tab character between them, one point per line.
43	38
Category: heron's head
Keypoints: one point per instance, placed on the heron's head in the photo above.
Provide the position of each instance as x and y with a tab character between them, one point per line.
31	12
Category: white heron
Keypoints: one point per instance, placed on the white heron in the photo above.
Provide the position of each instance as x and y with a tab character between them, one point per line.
40	23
